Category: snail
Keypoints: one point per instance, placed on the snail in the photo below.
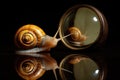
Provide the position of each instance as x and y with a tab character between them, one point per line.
31	36
76	38
34	66
76	34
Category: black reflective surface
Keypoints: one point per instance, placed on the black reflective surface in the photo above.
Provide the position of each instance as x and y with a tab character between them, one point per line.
47	16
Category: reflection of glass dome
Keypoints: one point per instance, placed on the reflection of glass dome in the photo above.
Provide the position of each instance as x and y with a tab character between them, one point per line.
83	68
90	22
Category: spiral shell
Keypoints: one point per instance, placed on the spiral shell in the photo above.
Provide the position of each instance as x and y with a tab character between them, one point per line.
76	34
29	68
28	36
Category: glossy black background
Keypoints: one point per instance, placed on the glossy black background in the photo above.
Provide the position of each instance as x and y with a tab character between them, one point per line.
47	14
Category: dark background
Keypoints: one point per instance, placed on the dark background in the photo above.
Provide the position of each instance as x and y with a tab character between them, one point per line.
47	14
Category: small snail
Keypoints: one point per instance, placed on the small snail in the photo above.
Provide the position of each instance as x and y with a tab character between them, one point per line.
76	34
30	36
34	65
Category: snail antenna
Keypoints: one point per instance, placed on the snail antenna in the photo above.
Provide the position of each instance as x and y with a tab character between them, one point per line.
65	69
63	37
56	32
55	74
61	69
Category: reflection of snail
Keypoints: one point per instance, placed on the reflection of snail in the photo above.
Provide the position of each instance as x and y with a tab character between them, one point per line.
76	36
29	68
34	66
30	36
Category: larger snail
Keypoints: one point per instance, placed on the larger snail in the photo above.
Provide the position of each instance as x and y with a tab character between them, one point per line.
30	36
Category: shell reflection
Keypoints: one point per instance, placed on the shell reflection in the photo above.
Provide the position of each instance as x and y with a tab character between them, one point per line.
83	68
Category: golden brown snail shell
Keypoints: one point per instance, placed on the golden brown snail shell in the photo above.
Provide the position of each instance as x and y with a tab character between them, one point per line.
28	36
29	68
76	34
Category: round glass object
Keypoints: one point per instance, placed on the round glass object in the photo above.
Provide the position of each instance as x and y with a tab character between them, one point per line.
82	68
88	25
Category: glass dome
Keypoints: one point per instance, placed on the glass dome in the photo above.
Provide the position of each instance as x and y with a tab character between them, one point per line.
88	25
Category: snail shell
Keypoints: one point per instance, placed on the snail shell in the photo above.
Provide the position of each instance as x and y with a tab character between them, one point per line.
29	36
29	68
76	34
